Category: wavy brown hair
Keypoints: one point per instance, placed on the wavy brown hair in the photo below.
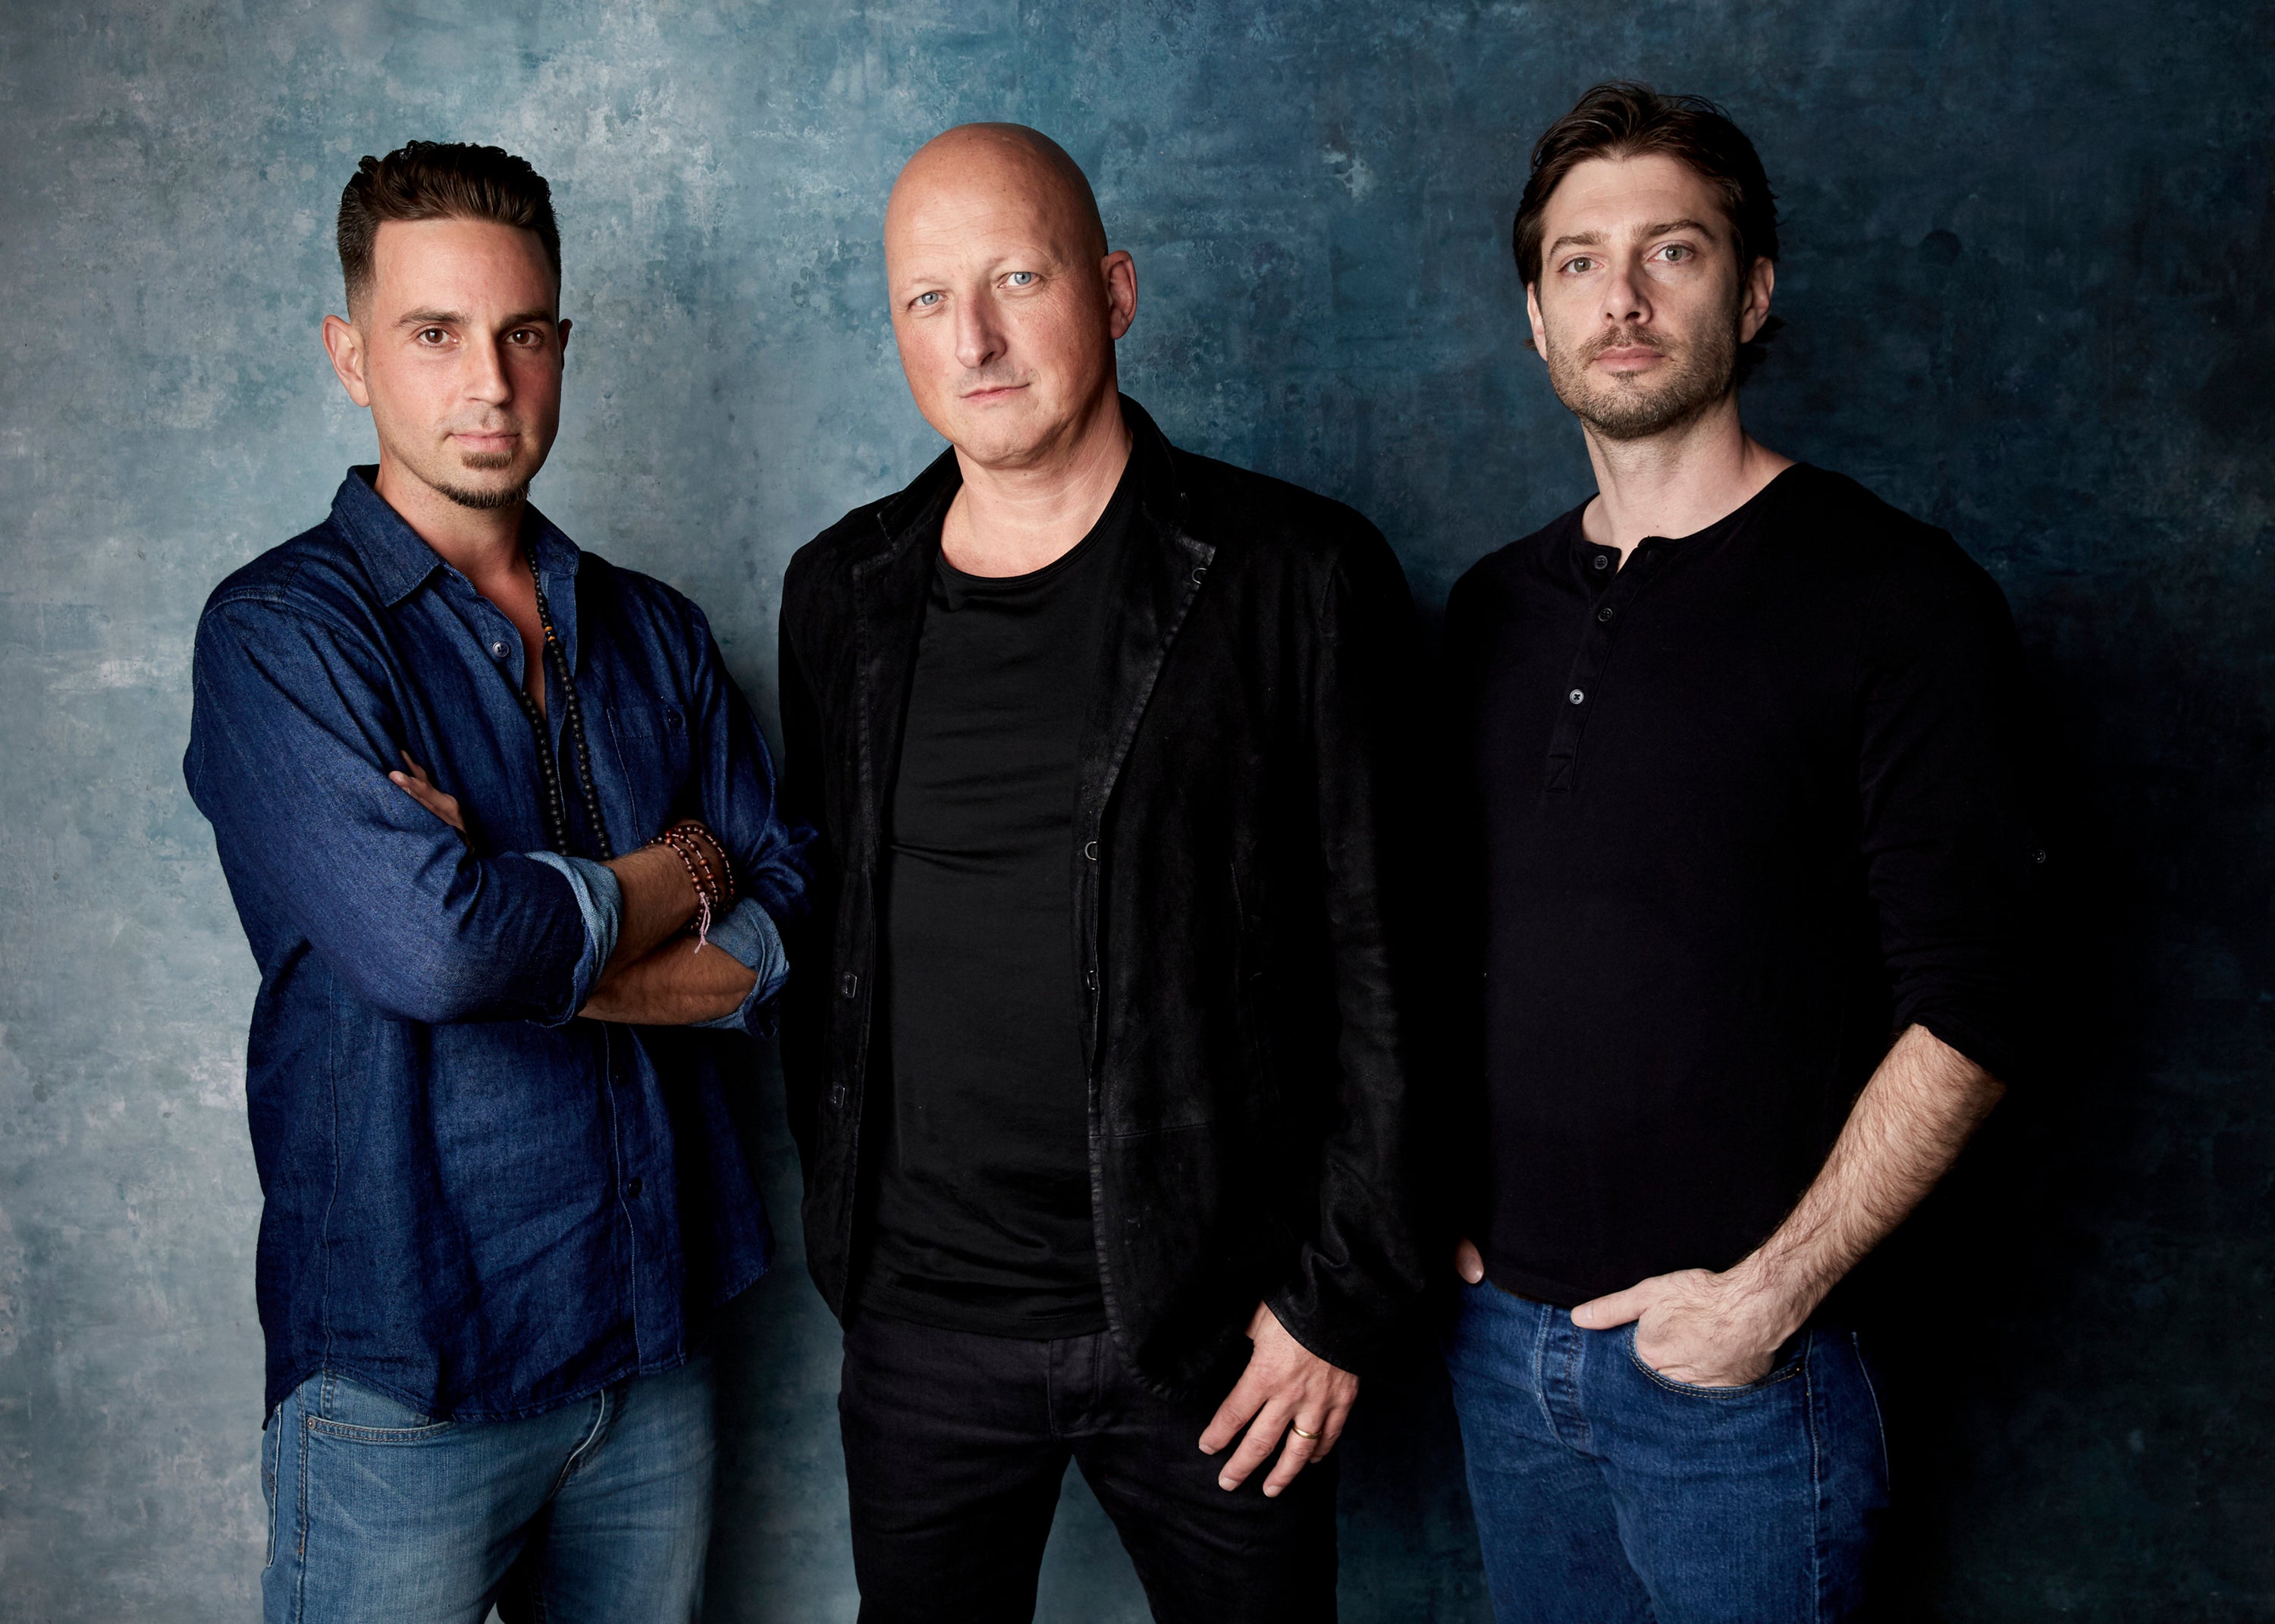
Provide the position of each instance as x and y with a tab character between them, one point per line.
1624	119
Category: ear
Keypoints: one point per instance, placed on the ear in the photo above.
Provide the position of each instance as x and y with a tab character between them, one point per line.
1121	274
344	343
560	332
1539	339
1754	300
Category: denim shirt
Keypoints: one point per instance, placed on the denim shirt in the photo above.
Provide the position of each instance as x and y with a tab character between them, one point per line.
475	1201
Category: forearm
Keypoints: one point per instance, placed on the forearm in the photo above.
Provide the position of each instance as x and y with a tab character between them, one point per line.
673	984
658	900
1908	1126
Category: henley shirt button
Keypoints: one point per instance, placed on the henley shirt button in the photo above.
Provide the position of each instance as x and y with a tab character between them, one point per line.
632	1189
1604	613
1602	560
498	649
1575	696
1089	849
1198	573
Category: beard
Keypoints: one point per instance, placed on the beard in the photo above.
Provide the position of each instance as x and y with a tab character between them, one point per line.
1635	406
482	498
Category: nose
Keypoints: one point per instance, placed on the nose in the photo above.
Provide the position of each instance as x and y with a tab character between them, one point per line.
978	339
485	373
1624	300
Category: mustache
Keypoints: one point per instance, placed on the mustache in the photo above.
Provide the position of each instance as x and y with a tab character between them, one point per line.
1620	338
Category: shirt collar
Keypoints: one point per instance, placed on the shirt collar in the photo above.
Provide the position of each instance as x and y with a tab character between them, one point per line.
398	563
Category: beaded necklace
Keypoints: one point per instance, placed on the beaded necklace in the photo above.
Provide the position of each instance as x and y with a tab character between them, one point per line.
556	666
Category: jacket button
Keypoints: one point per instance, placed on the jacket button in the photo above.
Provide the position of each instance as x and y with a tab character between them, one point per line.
1090	979
1089	849
848	985
632	1188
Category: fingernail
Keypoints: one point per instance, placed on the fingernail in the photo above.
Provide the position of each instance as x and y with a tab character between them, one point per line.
1270	1492
1224	1483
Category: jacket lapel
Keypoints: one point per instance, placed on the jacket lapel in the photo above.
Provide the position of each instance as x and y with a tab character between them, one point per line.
889	588
1161	575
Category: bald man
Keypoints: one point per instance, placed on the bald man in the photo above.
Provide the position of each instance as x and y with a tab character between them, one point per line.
1099	1060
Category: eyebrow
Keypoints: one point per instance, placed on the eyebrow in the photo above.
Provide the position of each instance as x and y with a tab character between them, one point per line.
1595	240
452	318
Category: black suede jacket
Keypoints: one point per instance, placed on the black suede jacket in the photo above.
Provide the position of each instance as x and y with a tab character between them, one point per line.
1245	934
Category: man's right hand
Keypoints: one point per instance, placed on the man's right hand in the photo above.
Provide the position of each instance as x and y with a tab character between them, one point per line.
1469	1262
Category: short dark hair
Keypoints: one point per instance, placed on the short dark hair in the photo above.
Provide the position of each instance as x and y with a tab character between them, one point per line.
1624	119
440	180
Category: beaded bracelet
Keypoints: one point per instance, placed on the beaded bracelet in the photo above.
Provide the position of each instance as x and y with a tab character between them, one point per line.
703	836
715	888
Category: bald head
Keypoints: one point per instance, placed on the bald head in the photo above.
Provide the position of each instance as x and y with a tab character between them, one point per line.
1006	301
1010	164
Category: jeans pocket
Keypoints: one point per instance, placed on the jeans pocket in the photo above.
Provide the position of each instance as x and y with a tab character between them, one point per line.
350	1410
1783	1368
272	1449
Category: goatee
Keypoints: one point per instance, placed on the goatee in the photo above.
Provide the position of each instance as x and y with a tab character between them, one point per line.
485	500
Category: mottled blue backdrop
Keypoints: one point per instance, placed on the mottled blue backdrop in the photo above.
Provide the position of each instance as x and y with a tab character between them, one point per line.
2028	289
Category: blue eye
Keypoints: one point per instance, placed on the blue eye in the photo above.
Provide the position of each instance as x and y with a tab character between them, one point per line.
1020	279
926	300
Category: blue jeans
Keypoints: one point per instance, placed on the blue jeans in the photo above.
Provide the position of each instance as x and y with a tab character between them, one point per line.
1606	1493
599	1510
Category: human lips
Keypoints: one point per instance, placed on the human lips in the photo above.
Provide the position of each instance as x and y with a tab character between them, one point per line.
989	396
1627	357
488	439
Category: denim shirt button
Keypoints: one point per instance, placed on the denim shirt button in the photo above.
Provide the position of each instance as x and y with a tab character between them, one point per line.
499	649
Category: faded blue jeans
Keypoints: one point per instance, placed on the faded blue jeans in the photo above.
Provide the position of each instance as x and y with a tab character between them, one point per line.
1606	1493
598	1511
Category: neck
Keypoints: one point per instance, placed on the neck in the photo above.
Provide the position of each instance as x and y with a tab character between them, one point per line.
1678	482
1017	519
479	543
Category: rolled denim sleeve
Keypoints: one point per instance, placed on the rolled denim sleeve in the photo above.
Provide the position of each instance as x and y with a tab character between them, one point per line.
748	935
601	900
293	731
740	799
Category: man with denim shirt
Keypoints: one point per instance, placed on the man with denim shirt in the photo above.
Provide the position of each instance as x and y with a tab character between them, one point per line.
504	1189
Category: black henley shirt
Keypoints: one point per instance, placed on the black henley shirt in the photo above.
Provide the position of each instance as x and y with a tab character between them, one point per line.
1748	810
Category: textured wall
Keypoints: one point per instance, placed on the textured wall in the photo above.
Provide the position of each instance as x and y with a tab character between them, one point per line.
2028	295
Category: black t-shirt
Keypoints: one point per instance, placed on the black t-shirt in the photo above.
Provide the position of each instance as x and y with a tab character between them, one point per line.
981	1215
1748	807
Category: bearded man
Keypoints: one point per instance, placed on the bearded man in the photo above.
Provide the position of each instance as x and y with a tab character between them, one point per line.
1099	1044
1751	841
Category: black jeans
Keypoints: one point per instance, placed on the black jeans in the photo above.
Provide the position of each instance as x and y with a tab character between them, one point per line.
955	1447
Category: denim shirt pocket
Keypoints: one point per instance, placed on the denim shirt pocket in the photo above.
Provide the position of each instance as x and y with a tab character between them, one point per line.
657	758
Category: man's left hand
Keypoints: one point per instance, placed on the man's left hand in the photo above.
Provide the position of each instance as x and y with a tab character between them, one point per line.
1286	1390
1709	1330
